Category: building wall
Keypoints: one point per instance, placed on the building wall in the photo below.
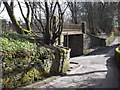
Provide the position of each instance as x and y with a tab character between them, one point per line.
79	43
75	43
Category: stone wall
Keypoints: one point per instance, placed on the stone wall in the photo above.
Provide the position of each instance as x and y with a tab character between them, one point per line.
86	42
96	41
93	42
20	71
61	62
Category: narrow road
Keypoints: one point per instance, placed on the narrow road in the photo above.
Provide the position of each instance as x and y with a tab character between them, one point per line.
96	70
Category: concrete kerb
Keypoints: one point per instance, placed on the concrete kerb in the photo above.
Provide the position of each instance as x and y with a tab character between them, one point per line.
40	83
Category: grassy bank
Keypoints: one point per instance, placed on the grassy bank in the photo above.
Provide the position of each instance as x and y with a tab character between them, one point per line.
23	62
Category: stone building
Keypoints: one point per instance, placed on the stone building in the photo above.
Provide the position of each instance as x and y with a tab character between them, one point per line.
74	36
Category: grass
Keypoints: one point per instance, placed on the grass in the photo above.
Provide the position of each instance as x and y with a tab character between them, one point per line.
23	62
15	42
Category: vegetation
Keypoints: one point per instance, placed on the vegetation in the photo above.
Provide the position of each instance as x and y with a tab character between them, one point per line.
117	56
15	42
99	16
20	59
24	62
110	38
26	58
10	9
52	25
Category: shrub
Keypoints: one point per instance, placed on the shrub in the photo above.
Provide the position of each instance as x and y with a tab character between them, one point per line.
117	56
24	62
116	31
110	38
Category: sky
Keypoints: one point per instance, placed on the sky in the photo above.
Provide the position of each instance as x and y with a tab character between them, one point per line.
18	15
17	12
4	14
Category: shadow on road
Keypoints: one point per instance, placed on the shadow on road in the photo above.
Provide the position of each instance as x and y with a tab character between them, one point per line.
113	74
111	77
102	50
79	74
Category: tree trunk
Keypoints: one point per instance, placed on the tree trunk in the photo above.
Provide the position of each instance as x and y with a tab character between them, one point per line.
47	28
73	8
18	28
90	17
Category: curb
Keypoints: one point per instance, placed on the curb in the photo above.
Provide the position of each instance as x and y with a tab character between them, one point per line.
42	82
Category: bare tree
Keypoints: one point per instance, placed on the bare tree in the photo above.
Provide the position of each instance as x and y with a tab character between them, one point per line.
50	19
100	16
10	10
74	6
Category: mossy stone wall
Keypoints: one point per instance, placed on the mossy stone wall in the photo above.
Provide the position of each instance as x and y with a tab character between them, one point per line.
24	61
61	62
23	70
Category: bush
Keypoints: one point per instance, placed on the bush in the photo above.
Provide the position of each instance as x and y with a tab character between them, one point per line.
110	38
117	56
24	62
116	31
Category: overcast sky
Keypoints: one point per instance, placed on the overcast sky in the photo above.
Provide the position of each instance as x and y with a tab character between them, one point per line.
18	14
4	14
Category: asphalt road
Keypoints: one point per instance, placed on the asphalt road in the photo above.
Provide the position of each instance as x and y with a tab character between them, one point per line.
96	70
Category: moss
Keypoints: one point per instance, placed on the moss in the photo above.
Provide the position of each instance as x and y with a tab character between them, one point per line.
14	70
118	49
24	63
66	66
117	56
110	38
61	62
65	55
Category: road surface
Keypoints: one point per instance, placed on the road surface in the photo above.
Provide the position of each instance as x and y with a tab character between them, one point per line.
96	70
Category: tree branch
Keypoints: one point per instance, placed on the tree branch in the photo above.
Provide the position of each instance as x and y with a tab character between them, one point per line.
21	10
28	9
